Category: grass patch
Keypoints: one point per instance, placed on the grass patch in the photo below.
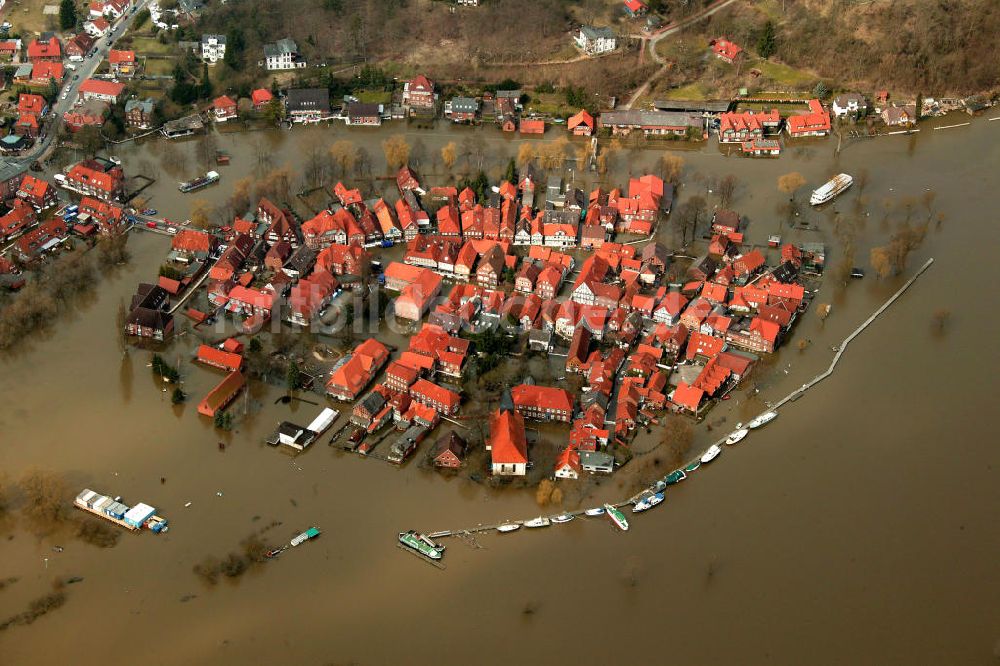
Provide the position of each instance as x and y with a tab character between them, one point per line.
151	46
553	104
26	17
785	75
159	66
692	91
374	96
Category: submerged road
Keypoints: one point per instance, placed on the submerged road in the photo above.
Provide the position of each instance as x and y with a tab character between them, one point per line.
693	464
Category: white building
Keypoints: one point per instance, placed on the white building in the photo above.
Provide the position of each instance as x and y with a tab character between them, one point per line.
849	103
283	54
213	48
595	41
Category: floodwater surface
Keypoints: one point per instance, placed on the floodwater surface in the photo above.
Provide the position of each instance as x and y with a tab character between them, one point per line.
859	527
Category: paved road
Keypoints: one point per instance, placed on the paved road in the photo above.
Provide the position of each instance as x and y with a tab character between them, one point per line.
671	29
83	71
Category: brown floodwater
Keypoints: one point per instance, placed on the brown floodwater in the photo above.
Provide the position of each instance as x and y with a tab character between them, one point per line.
860	527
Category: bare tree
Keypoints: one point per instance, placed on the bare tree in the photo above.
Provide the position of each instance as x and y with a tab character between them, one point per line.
525	154
790	183
689	216
397	151
727	188
449	154
672	167
345	156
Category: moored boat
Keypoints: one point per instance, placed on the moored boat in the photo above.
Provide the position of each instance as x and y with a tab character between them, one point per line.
199	182
617	517
675	476
831	189
711	453
766	417
647	502
692	466
541	521
737	435
310	533
508	527
562	518
421	544
596	511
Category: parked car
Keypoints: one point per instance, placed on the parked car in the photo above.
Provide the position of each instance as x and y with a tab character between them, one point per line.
171	230
151	225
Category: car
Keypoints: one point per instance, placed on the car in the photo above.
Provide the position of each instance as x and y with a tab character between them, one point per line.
171	230
64	95
76	77
151	225
186	222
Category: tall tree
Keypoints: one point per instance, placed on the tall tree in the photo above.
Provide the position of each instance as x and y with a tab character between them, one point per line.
67	14
767	44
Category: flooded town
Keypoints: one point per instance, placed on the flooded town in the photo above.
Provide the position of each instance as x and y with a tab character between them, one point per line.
651	321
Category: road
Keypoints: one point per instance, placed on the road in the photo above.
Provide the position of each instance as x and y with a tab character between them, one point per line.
84	70
666	31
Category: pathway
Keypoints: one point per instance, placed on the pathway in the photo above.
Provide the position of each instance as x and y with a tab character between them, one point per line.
666	31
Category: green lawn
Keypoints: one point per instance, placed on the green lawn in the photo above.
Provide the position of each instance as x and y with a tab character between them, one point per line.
692	91
159	66
785	75
151	46
374	96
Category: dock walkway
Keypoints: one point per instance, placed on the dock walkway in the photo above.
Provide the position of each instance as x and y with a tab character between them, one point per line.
791	397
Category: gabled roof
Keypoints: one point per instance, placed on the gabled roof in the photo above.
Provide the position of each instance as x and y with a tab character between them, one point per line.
581	118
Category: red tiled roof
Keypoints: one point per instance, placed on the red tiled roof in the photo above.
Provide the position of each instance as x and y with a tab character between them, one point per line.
435	394
508	445
582	118
98	87
542	397
28	103
45	70
39	49
726	48
261	96
224	102
219	358
190	240
532	127
687	396
115	56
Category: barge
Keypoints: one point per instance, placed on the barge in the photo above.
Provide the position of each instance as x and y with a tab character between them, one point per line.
202	181
132	518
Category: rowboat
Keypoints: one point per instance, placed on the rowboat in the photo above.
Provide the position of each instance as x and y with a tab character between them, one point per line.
541	521
617	517
711	453
737	435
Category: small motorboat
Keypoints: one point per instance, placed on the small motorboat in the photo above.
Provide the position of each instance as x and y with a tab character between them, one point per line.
562	518
692	466
737	436
273	553
647	502
764	418
617	517
711	453
541	521
675	476
508	527
596	511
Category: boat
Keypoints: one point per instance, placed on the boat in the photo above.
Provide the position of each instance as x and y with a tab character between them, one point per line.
541	521
692	466
421	544
199	182
764	418
562	518
132	518
149	211
310	533
830	189
274	552
596	511
617	517
508	527
737	435
647	502
711	453
675	476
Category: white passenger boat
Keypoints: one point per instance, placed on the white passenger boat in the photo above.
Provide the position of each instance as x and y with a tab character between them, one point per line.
508	527
617	517
596	511
830	189
737	436
711	453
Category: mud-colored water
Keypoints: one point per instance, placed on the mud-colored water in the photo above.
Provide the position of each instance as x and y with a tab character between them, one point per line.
860	527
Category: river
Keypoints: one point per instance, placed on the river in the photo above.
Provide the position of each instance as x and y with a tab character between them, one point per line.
859	527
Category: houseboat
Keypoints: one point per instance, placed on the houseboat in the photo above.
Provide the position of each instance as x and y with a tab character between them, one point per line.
132	518
199	182
831	189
